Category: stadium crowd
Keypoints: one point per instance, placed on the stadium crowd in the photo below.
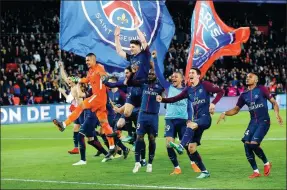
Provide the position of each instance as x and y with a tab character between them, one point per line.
30	53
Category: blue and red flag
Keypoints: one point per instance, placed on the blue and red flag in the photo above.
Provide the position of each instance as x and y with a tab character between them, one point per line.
88	26
211	38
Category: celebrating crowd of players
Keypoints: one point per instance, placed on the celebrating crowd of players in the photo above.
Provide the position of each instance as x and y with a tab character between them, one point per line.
116	105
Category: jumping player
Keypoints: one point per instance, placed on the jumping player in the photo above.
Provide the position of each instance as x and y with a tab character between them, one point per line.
198	94
97	102
255	97
140	63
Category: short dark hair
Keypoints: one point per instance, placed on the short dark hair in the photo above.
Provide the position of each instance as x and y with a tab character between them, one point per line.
129	68
114	78
197	70
90	54
136	42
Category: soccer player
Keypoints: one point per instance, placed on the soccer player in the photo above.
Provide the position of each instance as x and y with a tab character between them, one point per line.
123	124
97	102
147	118
177	114
74	99
255	97
117	99
140	63
87	129
198	94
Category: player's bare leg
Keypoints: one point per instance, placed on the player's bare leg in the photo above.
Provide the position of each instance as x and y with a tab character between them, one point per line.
75	150
192	147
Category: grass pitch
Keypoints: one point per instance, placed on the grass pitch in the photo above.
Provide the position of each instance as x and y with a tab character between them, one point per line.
34	156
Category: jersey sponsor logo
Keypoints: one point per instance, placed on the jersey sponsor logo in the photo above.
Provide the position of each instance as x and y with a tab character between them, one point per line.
104	16
198	101
254	106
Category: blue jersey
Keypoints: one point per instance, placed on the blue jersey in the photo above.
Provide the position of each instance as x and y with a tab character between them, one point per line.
149	103
117	98
150	91
256	100
142	61
199	96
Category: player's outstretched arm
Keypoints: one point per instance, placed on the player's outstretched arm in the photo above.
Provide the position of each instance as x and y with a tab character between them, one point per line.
181	96
118	43
63	73
231	112
162	81
62	91
141	35
276	110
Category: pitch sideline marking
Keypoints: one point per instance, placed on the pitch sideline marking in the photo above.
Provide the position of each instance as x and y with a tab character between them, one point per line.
94	183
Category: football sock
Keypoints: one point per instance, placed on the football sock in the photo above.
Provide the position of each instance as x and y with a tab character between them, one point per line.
187	137
259	152
172	156
143	151
75	139
96	144
120	144
105	140
188	154
197	159
82	144
250	156
139	147
151	147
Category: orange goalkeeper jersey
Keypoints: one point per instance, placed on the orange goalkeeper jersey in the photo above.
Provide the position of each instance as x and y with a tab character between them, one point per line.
94	78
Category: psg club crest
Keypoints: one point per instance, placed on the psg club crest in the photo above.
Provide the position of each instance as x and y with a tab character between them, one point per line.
209	37
104	16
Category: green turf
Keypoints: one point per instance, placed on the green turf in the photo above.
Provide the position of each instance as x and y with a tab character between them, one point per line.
48	160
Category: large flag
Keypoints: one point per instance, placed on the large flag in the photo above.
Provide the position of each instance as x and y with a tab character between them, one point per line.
88	26
211	38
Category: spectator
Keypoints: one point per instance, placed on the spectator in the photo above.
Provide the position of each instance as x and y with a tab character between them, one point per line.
232	90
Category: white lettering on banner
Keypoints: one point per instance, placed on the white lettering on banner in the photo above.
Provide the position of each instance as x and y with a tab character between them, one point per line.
29	114
14	115
60	111
4	114
45	112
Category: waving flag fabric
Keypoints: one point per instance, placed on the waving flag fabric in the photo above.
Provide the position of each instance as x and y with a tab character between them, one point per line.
211	38
88	26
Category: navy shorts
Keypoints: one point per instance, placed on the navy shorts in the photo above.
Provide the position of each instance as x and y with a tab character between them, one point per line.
175	128
113	120
81	118
134	97
147	124
256	131
90	123
203	122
